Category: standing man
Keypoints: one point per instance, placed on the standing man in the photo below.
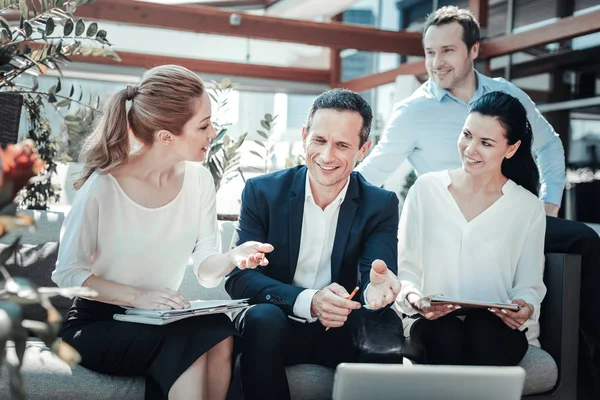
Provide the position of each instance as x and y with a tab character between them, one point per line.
332	231
424	128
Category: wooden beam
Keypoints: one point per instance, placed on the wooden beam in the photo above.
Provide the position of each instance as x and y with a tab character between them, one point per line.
566	60
479	8
230	3
372	81
214	67
214	21
563	29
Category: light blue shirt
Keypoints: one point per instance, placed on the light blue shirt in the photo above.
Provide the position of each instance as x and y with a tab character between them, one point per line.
424	128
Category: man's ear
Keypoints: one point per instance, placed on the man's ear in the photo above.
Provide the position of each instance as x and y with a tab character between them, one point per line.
475	50
304	133
513	149
165	137
364	150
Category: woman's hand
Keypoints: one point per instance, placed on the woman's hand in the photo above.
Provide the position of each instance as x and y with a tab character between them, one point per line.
163	299
428	311
250	255
515	319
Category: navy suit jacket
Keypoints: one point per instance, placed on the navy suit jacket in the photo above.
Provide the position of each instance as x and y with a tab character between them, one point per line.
272	211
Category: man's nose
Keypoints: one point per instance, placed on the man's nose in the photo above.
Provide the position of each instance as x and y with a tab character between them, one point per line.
326	153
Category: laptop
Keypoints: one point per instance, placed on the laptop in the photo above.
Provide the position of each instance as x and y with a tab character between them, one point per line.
427	382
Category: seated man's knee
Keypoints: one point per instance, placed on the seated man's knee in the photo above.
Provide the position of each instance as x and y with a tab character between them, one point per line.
266	321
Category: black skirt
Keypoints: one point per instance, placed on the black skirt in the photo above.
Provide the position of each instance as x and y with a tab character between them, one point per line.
161	353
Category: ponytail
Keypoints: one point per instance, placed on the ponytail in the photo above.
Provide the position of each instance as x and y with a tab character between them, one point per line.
166	98
108	146
521	167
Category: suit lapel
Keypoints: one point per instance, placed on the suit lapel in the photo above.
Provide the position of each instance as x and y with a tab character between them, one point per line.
344	225
296	212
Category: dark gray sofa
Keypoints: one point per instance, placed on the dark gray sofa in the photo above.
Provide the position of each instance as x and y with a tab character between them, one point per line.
47	377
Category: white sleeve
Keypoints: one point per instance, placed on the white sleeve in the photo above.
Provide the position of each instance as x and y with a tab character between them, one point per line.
208	242
528	283
302	305
397	142
78	238
409	252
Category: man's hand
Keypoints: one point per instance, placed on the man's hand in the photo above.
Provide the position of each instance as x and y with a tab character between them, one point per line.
384	286
250	255
331	307
428	311
551	209
515	319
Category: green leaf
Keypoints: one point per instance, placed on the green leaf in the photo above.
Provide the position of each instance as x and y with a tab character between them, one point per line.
36	85
27	28
92	29
268	117
59	3
64	103
58	86
79	27
101	35
4	35
256	154
4	24
261	133
261	144
51	98
44	5
49	26
69	26
72	92
265	125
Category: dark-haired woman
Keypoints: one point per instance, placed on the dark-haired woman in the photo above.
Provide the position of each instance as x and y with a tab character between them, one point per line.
476	233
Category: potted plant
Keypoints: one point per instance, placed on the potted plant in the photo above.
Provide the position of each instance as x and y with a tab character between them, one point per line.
44	39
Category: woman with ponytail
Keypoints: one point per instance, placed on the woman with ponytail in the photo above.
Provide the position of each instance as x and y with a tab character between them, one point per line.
476	233
141	213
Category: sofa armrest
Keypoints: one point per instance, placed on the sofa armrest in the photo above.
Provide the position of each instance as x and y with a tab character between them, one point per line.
559	319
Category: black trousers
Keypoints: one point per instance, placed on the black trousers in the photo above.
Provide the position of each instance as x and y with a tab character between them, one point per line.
564	236
271	341
481	339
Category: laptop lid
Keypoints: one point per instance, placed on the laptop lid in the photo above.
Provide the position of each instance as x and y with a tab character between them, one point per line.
427	382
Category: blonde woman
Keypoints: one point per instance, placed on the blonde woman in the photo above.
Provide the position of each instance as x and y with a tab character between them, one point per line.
135	222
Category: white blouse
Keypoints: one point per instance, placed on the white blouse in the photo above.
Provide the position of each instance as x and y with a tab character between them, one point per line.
109	235
497	256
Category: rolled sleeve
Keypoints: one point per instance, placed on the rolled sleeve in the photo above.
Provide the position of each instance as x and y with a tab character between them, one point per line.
208	242
548	150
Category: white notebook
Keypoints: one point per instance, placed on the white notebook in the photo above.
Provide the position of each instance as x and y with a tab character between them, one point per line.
197	308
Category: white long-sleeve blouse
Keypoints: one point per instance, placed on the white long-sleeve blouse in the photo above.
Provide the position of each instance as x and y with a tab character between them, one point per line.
497	256
109	235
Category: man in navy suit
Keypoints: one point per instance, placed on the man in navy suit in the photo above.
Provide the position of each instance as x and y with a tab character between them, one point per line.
332	231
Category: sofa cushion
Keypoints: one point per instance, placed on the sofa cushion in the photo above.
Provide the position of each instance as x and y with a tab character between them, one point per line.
49	378
36	263
541	370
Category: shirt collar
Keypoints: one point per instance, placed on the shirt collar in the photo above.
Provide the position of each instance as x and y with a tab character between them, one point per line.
338	200
483	86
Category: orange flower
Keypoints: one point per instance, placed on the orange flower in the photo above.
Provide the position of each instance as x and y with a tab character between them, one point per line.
20	162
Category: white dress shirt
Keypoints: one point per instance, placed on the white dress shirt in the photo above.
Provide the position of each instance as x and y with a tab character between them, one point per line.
109	235
313	270
496	257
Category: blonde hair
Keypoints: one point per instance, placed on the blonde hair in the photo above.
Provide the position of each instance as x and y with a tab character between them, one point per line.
165	99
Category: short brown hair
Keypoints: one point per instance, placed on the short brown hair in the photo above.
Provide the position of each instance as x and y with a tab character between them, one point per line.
449	14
